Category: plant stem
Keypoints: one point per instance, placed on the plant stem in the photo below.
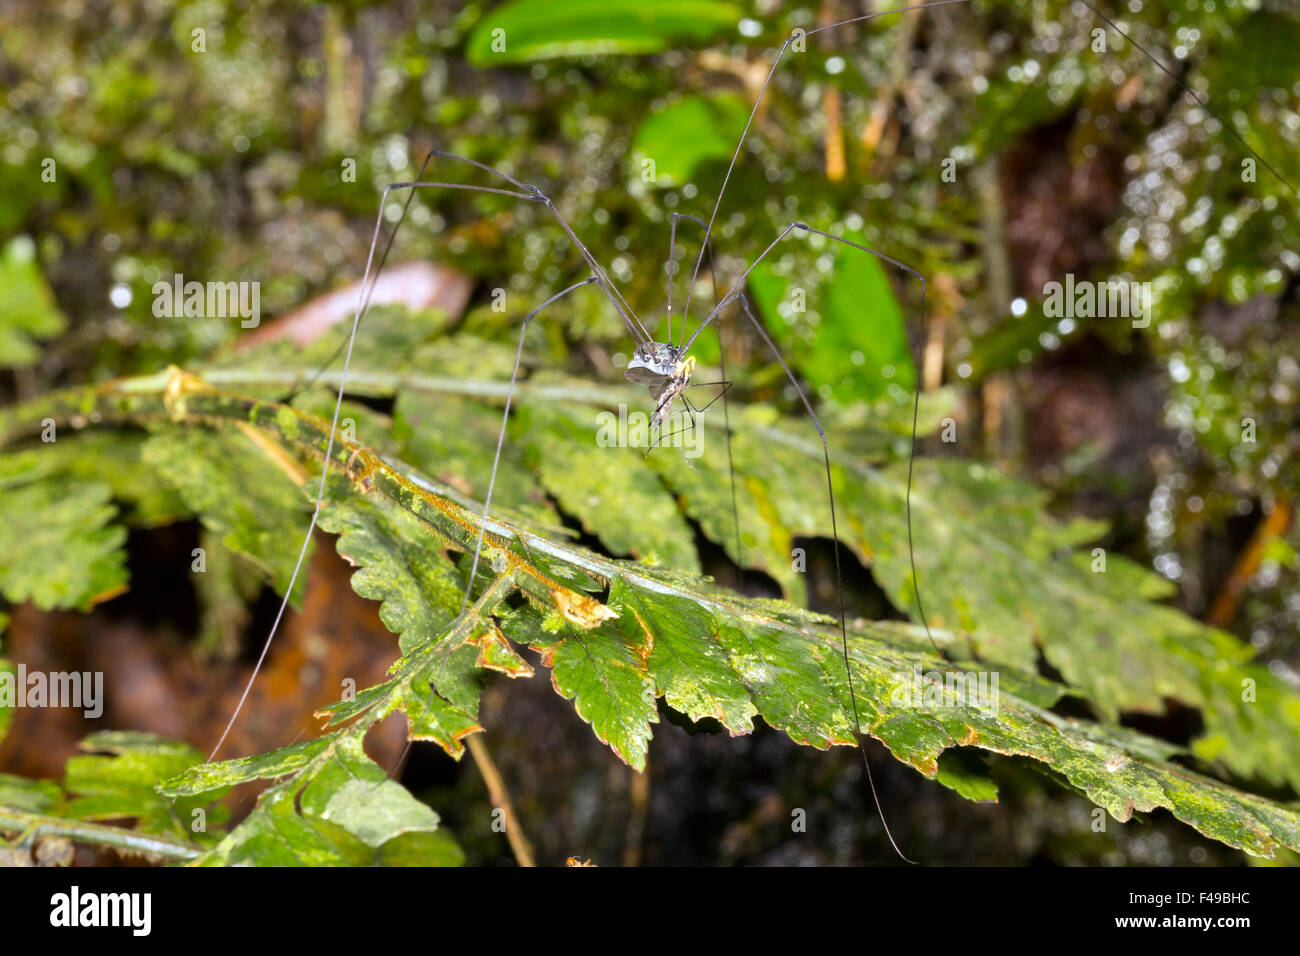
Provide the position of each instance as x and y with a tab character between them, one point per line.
500	797
182	398
639	794
129	841
1274	525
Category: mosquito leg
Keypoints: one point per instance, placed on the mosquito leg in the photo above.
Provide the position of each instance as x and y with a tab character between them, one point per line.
656	439
690	412
501	436
659	437
726	387
694	429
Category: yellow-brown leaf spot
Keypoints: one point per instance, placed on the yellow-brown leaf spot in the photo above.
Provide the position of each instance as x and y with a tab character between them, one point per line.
179	384
495	653
586	612
106	595
644	648
273	450
450	743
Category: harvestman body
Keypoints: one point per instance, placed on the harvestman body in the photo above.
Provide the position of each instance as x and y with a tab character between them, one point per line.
664	367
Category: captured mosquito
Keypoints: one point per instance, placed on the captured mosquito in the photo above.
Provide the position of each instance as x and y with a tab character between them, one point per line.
666	367
665	370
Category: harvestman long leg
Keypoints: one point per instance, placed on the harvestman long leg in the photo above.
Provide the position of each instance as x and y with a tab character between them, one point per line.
839	578
706	248
735	294
501	435
522	191
496	459
634	328
708	229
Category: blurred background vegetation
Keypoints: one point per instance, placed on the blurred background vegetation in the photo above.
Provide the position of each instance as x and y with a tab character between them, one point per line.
227	164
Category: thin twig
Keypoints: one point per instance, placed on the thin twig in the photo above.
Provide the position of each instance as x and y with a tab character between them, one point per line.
639	792
500	796
834	135
872	136
128	841
1275	524
835	167
997	389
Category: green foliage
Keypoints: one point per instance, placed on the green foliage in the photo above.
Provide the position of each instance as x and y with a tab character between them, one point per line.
466	454
336	807
855	346
617	496
619	637
115	778
33	796
710	654
265	522
27	308
538	30
690	132
1011	342
1000	576
60	547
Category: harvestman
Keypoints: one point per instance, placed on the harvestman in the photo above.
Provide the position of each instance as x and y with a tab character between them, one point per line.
664	366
